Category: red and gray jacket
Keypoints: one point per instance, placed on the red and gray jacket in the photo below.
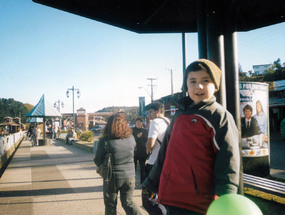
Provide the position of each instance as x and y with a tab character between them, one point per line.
199	157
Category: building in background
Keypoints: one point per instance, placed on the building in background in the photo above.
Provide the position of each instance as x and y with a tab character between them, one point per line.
84	121
9	126
260	69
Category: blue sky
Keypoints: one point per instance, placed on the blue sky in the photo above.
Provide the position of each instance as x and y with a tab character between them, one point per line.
46	51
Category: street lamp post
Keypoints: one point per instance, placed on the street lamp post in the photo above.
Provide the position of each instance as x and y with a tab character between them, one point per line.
57	105
147	93
78	95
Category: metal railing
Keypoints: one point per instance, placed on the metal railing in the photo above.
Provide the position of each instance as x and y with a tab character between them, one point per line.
8	141
266	185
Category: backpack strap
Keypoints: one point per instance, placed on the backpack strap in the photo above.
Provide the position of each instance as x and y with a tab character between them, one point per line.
167	123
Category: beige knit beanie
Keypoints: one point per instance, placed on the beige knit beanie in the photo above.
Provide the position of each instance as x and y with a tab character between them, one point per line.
212	69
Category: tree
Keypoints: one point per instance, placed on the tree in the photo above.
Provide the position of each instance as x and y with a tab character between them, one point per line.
274	73
242	74
12	108
130	112
250	72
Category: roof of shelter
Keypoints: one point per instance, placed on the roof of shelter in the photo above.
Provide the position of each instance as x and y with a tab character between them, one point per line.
43	109
168	16
13	124
35	120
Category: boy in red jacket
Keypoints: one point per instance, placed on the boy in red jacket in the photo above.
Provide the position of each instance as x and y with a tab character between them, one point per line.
199	158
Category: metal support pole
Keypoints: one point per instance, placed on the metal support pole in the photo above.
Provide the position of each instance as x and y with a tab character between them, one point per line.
57	105
183	58
78	94
151	85
232	82
201	29
44	128
171	81
74	125
232	78
215	51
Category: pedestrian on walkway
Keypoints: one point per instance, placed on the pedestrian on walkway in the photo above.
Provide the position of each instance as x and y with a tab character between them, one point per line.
52	130
71	136
34	135
29	132
118	135
199	159
140	135
58	132
157	128
38	134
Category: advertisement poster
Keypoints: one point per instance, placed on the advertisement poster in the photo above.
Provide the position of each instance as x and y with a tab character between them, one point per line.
254	110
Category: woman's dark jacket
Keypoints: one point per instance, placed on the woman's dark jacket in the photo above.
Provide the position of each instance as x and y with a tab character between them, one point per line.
140	151
123	155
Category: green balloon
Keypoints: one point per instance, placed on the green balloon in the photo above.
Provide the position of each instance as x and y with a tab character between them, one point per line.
233	204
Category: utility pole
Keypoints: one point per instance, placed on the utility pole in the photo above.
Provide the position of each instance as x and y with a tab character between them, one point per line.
151	85
183	57
171	82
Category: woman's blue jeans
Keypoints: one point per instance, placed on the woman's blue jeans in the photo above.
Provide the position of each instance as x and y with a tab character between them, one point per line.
126	188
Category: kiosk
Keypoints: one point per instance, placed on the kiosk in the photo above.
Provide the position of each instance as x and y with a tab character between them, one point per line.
254	103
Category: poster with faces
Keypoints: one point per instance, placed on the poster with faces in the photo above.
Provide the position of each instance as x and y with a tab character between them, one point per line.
254	111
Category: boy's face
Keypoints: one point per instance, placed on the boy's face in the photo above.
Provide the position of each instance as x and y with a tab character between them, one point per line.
200	86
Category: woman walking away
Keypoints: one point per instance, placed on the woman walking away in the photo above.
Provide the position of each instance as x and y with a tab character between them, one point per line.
121	143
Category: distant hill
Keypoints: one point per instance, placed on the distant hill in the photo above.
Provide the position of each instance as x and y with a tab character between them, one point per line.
116	109
131	112
29	106
12	108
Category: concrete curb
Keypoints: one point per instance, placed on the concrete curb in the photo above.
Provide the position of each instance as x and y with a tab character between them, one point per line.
86	146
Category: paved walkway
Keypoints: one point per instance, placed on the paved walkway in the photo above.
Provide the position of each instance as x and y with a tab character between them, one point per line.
55	179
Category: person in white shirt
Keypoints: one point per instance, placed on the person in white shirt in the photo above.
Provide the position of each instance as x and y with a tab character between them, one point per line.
157	128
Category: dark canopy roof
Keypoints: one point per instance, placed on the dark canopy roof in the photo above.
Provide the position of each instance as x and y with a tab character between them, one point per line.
166	16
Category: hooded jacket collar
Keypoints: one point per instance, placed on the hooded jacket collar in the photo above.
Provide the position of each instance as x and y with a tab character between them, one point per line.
186	103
